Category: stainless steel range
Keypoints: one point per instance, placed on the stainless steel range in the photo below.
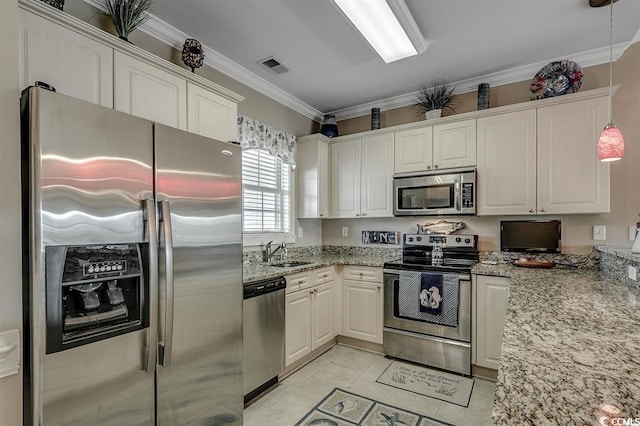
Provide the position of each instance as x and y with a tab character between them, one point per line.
427	301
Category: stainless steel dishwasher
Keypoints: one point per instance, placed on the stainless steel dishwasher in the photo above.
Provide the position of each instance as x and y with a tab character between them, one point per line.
263	329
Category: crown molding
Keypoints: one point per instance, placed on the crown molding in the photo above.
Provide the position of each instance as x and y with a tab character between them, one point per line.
161	30
526	72
172	36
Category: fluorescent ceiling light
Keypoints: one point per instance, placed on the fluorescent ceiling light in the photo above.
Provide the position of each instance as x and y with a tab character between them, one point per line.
380	27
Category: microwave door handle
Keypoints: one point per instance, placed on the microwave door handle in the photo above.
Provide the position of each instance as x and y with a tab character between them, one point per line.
151	237
457	197
166	345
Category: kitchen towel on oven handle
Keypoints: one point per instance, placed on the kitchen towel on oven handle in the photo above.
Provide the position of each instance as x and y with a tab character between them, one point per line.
429	297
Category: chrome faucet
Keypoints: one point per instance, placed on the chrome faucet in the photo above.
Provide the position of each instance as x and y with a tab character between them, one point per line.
267	254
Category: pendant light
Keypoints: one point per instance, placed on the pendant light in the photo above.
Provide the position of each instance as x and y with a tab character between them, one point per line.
611	141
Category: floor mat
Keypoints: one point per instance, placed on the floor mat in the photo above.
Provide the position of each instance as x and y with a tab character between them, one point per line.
428	382
342	408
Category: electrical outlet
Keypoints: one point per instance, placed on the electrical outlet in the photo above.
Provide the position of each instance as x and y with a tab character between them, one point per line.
632	273
300	231
600	233
345	231
632	233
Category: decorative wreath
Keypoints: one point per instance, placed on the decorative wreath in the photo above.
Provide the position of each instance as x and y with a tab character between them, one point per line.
555	79
192	54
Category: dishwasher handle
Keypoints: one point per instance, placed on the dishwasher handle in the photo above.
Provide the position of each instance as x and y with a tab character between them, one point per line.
259	288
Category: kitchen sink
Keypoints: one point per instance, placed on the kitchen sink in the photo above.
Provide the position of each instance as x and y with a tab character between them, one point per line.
290	264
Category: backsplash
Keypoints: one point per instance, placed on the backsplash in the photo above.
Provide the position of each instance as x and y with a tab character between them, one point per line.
255	256
615	262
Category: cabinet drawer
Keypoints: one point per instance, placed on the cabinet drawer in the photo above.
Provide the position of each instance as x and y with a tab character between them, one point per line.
363	273
324	275
298	281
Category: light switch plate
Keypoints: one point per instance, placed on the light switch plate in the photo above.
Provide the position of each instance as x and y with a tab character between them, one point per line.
600	233
632	273
9	353
345	231
300	231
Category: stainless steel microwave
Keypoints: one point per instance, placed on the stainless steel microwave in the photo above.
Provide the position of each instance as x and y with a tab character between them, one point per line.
442	193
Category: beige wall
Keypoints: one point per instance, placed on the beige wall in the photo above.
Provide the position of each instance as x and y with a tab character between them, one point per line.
577	229
10	260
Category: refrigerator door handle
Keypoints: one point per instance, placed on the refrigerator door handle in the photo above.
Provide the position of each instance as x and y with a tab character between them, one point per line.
166	344
151	236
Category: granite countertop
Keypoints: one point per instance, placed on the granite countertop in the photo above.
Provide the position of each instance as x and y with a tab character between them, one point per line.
255	271
571	344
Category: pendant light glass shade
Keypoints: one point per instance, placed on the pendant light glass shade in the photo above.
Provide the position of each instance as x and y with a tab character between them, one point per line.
611	141
611	144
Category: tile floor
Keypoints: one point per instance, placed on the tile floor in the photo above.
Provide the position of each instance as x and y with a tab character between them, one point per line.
356	371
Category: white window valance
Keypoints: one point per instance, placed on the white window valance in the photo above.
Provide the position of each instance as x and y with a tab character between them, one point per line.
252	134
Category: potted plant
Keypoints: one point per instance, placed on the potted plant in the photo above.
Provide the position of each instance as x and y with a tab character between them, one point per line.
127	15
430	101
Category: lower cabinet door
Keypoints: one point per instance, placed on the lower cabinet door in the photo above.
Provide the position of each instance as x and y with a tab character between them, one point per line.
492	299
298	325
322	315
362	315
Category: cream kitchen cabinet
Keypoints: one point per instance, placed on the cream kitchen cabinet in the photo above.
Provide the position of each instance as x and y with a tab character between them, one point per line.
149	92
211	115
362	303
309	312
413	150
491	299
71	62
362	177
571	179
543	160
312	177
444	146
507	163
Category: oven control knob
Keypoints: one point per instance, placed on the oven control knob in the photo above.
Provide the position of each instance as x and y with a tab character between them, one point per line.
410	239
108	268
467	240
418	238
458	239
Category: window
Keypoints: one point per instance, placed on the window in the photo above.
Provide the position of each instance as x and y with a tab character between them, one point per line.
266	196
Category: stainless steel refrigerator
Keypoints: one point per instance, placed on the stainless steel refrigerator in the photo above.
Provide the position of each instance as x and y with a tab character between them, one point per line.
132	269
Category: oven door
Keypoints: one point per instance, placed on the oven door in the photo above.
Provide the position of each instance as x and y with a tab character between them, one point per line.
461	333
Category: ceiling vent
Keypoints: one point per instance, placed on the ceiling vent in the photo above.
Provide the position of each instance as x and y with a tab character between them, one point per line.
274	65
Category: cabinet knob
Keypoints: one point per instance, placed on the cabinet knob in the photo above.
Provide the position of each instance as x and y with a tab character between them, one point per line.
435	166
310	291
379	288
357	214
361	273
321	214
315	290
541	210
530	210
428	167
325	275
300	281
364	214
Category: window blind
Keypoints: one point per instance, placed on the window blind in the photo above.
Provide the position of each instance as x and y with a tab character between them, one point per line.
266	192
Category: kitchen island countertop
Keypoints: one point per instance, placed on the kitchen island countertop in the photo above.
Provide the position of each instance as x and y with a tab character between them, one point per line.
571	344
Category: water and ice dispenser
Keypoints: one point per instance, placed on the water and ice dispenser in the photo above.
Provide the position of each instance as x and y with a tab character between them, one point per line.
94	293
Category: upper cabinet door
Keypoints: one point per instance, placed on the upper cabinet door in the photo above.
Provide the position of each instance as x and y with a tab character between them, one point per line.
414	150
507	163
571	179
149	92
312	177
377	176
345	179
72	63
211	115
454	145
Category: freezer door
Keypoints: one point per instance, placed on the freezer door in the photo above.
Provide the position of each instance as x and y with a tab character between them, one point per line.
198	187
86	169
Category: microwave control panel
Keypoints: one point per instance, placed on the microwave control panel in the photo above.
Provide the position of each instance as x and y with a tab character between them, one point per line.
467	195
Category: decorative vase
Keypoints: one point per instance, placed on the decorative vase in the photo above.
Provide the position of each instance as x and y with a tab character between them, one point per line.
329	126
58	4
483	95
375	118
434	113
192	54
